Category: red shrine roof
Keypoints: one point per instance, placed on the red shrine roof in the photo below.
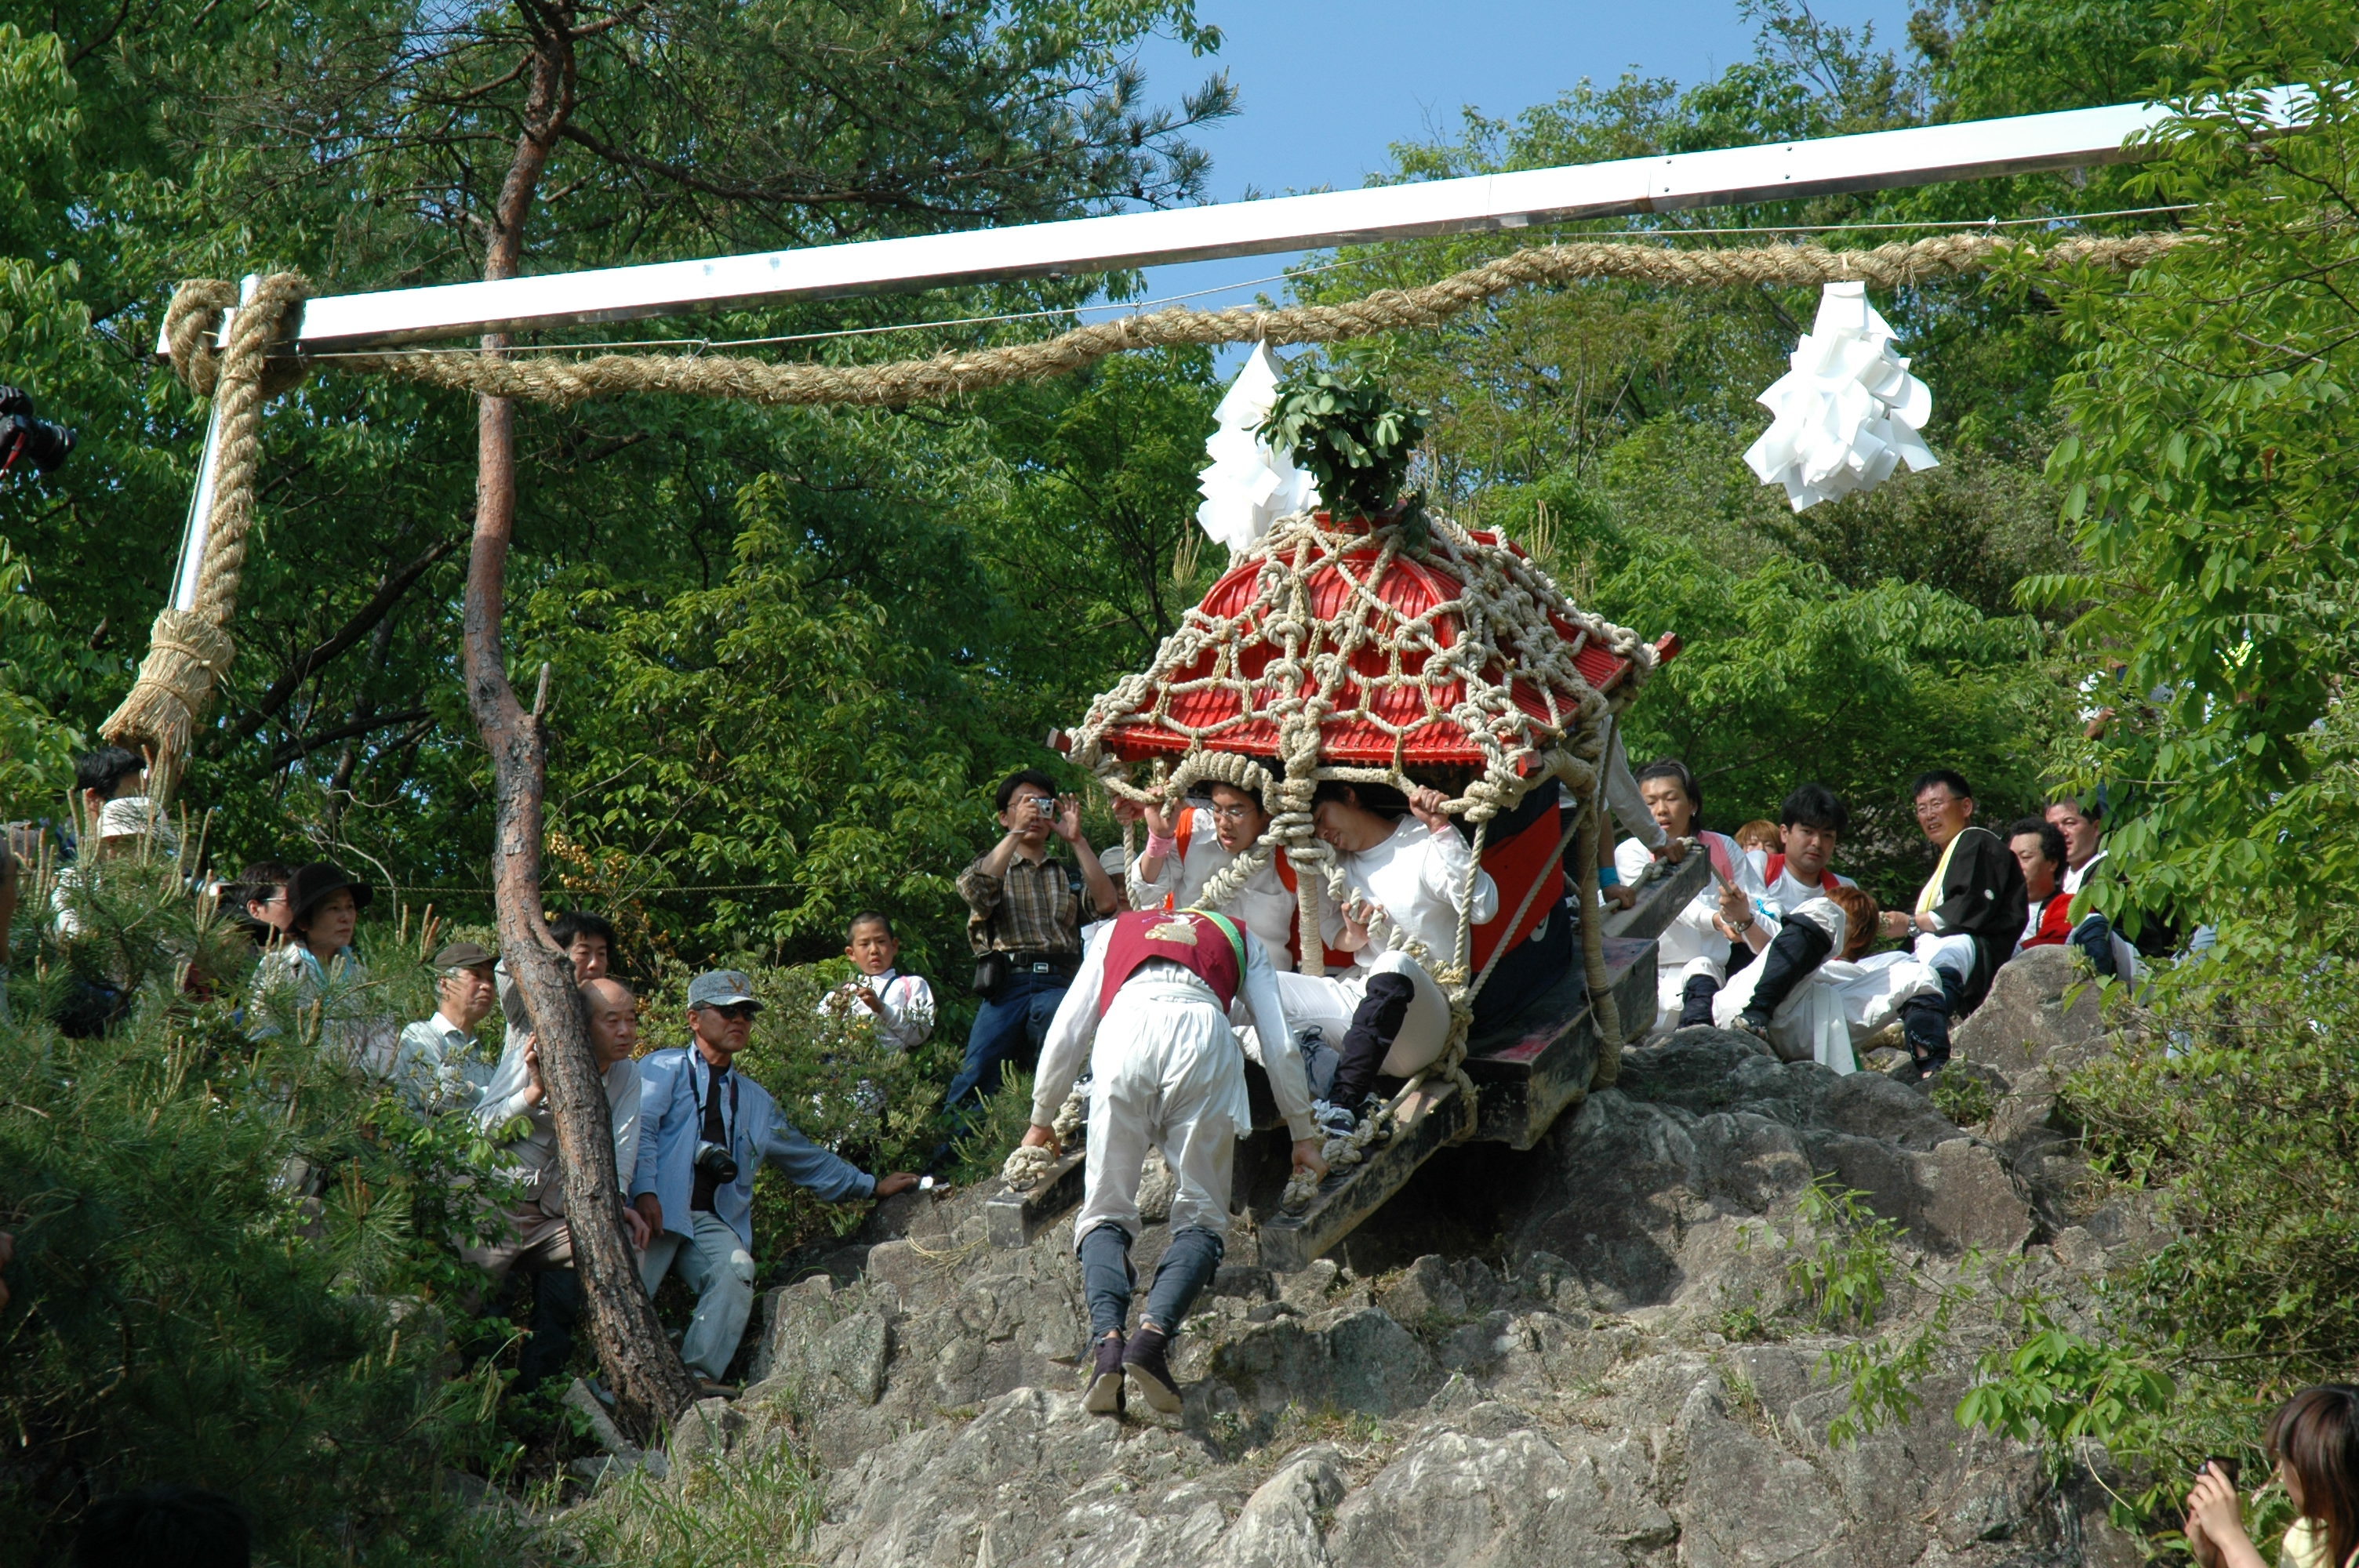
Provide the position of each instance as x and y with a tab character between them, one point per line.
1222	695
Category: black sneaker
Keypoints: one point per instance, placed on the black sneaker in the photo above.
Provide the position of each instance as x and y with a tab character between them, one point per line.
1105	1395
1376	1110
1149	1368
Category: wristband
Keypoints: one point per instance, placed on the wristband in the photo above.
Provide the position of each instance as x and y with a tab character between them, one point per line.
1158	846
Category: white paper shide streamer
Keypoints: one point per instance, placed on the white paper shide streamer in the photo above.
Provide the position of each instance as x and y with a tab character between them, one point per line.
1847	411
1249	487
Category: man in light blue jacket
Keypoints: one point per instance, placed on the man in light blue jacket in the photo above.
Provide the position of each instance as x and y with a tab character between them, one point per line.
703	1131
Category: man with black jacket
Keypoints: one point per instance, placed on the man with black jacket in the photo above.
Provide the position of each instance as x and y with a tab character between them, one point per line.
1967	918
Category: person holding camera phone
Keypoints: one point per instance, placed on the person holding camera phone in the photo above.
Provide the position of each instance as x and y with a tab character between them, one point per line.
703	1129
1026	908
2313	1440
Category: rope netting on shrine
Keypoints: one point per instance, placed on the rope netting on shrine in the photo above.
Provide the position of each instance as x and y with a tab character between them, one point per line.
1358	652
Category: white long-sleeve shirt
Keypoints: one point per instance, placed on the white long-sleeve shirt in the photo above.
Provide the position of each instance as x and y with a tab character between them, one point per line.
1416	877
1073	1033
535	1155
1264	905
1622	797
908	1020
1691	934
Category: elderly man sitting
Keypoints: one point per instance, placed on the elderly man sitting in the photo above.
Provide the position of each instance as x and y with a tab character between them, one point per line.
439	1064
537	1235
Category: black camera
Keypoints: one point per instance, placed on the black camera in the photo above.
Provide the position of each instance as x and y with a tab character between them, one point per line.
26	438
714	1160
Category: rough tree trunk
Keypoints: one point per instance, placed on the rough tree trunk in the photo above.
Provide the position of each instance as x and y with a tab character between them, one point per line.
650	1384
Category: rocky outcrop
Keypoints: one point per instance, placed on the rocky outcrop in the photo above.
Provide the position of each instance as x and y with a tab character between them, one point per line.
1615	1369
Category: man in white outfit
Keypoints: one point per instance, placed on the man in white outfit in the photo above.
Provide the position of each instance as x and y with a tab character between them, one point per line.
1791	924
1149	1012
1691	953
1387	1013
1188	847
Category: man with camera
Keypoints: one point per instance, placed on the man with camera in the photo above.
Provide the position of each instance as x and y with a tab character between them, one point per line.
703	1129
1025	909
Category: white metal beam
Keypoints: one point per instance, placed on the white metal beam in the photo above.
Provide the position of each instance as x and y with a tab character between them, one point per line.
1882	160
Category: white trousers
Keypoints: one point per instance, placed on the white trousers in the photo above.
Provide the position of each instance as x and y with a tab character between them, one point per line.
1672	979
714	1264
1954	952
1166	1073
1841	1004
1327	1003
1809	1025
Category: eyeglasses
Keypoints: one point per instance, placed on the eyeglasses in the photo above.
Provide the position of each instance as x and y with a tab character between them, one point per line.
736	1011
1232	812
1934	808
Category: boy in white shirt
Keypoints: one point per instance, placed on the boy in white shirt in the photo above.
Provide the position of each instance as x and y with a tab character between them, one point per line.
901	1006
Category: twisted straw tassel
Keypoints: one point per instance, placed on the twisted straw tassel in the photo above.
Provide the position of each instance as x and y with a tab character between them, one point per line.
547	379
188	651
1026	1166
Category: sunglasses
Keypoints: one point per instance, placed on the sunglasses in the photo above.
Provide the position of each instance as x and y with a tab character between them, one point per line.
734	1010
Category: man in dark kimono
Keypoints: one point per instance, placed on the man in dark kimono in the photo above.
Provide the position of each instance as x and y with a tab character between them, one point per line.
1967	918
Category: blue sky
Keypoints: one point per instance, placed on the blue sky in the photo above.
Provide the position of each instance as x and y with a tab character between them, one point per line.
1329	85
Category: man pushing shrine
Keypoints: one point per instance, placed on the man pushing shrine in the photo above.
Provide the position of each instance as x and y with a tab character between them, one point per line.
1149	1009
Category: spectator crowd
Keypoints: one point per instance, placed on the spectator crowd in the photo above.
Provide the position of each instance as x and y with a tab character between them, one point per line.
1099	967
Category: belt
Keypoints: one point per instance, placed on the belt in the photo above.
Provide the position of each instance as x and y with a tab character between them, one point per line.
1043	963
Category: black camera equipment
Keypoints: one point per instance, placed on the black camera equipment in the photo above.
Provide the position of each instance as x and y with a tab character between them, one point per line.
24	435
715	1160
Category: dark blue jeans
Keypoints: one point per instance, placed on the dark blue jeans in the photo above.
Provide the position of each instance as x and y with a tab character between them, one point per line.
1010	1029
1187	1266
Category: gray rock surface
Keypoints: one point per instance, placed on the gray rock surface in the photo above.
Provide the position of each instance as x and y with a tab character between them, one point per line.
1616	1367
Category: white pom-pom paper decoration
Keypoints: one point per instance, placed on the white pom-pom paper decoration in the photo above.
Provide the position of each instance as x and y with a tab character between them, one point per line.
1248	486
1847	411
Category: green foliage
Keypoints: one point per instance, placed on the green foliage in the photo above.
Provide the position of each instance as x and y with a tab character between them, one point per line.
1849	1272
1354	439
1963	1098
749	1509
1789	674
2209	475
182	1311
2056	1390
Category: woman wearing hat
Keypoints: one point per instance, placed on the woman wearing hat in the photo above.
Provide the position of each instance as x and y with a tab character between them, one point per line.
318	965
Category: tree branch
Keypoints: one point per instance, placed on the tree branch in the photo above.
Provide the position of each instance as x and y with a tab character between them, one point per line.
296	751
380	605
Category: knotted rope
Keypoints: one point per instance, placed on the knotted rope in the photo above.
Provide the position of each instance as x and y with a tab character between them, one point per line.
544	378
1506	630
188	651
1026	1166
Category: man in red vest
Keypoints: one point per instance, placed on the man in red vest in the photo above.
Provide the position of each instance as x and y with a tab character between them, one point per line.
1149	1011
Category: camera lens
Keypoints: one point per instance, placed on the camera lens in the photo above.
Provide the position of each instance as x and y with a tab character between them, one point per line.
26	439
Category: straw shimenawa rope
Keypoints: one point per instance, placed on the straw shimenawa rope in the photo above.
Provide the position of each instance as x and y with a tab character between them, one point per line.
188	651
191	650
549	379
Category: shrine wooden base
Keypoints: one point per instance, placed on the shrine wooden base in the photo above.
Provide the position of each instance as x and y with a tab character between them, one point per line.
1528	1071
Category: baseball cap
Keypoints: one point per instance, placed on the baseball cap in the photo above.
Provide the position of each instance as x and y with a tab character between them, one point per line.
720	988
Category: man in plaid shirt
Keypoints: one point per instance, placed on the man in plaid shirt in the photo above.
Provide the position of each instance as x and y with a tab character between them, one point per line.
1030	905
